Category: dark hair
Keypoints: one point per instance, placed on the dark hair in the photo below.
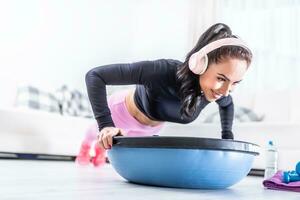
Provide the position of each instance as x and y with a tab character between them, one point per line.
190	90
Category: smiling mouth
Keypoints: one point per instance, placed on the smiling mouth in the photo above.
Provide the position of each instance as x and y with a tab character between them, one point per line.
216	95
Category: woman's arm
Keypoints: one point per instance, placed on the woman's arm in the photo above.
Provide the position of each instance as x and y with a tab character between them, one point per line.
116	74
226	110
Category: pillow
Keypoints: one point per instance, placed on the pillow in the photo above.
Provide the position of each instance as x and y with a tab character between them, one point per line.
73	102
32	97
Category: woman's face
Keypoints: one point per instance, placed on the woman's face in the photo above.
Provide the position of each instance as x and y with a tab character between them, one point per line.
221	78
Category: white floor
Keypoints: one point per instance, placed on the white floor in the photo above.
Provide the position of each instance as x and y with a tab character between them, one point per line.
65	180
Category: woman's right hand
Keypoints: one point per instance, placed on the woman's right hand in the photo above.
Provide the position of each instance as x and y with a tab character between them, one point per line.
106	134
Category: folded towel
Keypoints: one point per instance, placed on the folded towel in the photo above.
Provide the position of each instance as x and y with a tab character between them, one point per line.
276	183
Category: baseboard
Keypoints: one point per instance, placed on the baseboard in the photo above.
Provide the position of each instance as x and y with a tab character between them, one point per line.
256	172
31	156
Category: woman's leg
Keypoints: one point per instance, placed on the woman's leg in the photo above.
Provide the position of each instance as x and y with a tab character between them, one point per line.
100	156
122	119
83	157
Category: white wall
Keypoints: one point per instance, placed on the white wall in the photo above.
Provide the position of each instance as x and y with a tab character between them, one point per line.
50	43
53	42
271	29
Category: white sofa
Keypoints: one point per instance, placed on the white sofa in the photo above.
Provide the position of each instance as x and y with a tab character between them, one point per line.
33	131
37	132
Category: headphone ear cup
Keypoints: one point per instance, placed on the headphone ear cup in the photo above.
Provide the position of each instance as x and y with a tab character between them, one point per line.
198	63
203	63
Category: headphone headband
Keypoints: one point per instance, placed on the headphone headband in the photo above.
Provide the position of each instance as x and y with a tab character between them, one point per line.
198	61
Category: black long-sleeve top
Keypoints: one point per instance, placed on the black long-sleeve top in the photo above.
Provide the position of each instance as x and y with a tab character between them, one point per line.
156	93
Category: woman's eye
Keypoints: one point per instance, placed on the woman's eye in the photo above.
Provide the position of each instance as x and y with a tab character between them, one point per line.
221	79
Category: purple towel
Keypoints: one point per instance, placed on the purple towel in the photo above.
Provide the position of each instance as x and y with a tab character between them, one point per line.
276	183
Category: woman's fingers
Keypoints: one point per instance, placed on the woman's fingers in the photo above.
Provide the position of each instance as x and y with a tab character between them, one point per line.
106	135
110	136
122	132
115	132
101	138
99	142
105	142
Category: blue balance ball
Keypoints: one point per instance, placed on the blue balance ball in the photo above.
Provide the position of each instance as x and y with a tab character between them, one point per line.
183	162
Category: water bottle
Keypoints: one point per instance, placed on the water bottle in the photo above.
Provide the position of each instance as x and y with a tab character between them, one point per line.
271	160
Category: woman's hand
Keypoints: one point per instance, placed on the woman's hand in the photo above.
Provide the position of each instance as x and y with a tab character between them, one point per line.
105	136
227	135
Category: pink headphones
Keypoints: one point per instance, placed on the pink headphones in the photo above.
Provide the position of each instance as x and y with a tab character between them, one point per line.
199	61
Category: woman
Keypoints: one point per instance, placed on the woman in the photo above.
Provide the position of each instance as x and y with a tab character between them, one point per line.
169	90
